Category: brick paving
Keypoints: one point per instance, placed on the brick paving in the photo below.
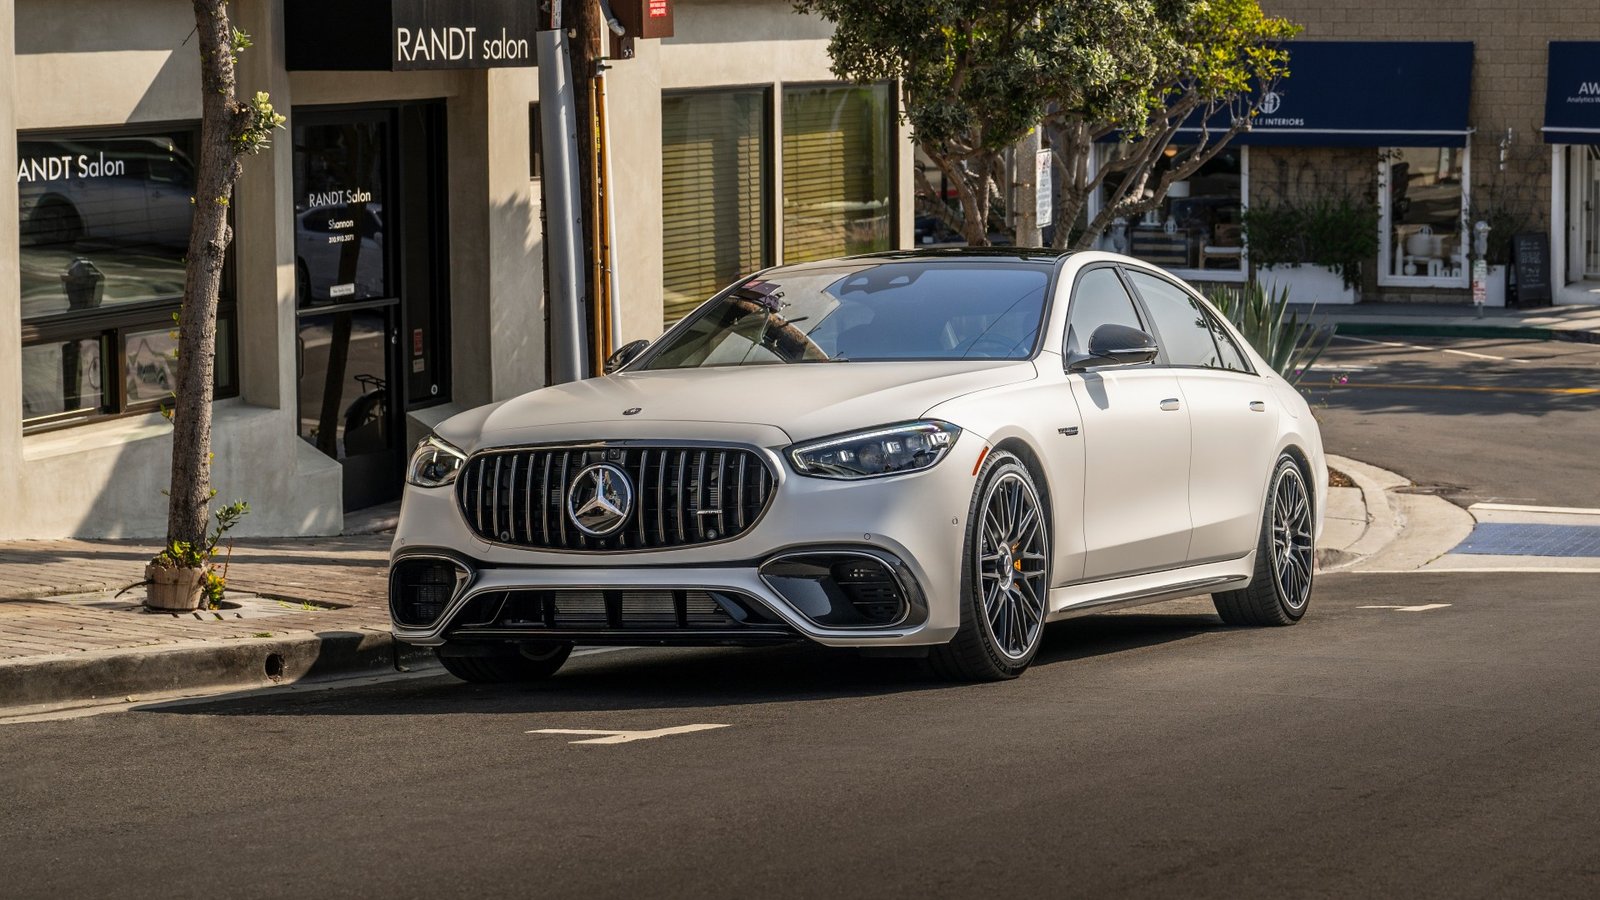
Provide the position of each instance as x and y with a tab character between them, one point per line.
56	597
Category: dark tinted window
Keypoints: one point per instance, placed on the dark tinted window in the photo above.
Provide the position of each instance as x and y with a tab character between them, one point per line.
1099	299
863	311
1185	332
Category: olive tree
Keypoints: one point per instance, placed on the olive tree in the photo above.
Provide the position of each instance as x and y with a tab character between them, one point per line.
976	75
1140	71
230	130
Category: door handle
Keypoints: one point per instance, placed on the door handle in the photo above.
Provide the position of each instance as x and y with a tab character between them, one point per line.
1258	406
1170	404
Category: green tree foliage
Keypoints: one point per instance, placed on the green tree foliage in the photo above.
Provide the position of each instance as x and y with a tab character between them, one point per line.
975	75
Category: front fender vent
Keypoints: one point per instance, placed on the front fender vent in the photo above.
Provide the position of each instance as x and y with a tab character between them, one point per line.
680	496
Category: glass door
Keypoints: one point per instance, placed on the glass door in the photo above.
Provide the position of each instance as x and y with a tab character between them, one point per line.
346	297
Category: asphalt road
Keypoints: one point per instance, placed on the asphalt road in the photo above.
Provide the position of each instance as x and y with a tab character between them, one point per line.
1449	752
1477	420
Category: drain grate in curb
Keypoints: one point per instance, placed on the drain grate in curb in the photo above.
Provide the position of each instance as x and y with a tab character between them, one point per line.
1515	539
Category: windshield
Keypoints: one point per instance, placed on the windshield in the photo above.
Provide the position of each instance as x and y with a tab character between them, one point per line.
862	311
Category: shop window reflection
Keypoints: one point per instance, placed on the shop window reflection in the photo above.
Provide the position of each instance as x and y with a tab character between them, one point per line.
62	378
1425	212
1198	224
344	392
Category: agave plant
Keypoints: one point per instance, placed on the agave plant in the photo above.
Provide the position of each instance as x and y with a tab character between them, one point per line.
1289	344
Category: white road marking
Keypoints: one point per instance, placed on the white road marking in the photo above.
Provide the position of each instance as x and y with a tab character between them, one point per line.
1423	608
1346	337
623	737
1557	510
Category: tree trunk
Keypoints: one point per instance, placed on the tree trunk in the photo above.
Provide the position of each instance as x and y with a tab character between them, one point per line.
190	496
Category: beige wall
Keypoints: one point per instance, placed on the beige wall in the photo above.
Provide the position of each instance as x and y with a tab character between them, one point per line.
10	277
105	62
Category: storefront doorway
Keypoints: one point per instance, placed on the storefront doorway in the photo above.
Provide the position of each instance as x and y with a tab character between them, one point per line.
371	285
1583	213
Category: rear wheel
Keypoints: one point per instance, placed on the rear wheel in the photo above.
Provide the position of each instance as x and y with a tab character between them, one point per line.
1005	578
505	665
1280	589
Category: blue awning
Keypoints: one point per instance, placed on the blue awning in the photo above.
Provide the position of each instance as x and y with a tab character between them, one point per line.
1572	93
1366	94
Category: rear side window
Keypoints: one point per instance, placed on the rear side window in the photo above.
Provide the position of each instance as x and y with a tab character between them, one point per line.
1232	357
1099	299
1185	329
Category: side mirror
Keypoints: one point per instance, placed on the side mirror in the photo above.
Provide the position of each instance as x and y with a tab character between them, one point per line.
1115	346
625	354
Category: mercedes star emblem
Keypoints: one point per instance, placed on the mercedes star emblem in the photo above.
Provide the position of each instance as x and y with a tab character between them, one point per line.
600	499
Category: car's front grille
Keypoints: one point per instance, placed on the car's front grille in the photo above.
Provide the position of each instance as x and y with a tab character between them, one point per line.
681	496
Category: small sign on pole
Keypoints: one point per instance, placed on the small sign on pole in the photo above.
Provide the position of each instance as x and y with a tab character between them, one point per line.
1044	197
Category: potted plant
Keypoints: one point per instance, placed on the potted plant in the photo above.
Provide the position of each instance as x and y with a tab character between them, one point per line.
1314	250
184	576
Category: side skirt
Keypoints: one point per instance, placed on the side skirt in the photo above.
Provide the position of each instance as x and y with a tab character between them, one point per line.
1089	597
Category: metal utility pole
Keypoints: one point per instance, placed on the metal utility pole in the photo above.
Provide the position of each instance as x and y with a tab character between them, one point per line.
564	254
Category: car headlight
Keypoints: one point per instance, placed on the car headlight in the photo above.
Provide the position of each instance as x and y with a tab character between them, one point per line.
890	450
434	464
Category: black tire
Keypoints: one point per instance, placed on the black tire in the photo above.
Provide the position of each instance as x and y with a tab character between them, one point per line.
976	653
1279	592
512	665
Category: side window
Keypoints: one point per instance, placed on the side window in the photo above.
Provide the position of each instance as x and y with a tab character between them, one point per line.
1098	299
1185	332
1233	358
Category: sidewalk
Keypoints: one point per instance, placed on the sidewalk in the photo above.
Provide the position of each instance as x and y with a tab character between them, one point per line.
1564	323
304	607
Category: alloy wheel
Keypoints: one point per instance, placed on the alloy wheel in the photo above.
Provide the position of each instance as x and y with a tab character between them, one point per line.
1013	554
1292	539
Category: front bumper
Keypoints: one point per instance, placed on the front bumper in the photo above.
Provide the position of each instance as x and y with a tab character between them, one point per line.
914	523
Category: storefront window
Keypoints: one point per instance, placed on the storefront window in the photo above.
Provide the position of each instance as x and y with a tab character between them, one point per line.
339	240
1424	207
838	164
104	228
1198	225
714	174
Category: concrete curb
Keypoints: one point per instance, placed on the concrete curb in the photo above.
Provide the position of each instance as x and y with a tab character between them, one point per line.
1511	332
1383	521
99	676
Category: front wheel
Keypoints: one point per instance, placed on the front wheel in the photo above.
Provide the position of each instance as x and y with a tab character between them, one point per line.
1005	581
1280	588
510	664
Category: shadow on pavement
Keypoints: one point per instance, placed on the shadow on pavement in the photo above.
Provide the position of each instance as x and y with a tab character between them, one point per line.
660	678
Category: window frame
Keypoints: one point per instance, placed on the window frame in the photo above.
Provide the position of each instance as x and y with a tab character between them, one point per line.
1212	317
892	133
1139	312
771	181
1386	276
110	326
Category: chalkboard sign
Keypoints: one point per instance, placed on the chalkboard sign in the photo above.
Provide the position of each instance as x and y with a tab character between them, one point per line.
1530	264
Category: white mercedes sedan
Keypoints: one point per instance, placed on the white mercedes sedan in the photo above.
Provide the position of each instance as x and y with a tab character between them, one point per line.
919	453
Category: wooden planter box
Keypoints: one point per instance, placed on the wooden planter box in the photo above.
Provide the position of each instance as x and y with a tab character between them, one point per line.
175	590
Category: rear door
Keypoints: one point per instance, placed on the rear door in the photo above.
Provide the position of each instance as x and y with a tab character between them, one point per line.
1233	420
1135	435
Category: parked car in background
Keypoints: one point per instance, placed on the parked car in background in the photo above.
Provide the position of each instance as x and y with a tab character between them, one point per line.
935	449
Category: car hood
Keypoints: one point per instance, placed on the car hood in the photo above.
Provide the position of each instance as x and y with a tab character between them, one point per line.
801	401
